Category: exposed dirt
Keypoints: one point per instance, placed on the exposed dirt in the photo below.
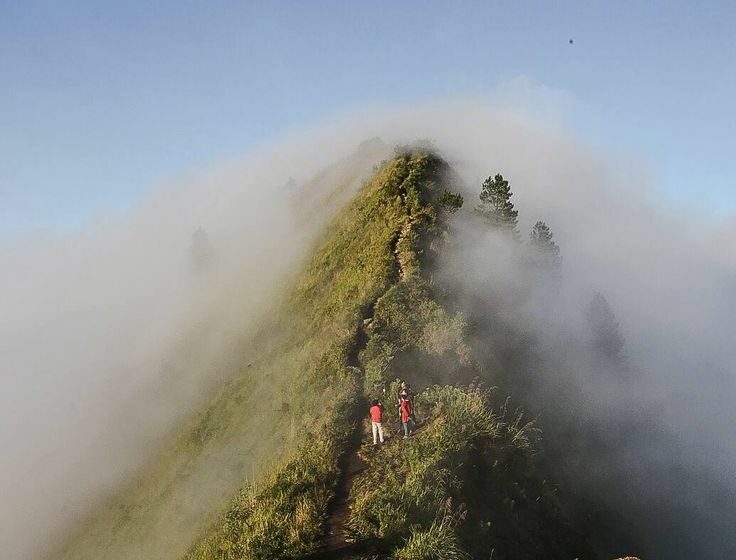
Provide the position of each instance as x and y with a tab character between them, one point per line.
351	464
336	544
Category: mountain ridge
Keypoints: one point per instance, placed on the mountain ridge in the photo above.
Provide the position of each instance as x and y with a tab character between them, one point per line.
362	313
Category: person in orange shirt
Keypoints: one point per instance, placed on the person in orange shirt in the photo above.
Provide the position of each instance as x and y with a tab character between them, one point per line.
376	413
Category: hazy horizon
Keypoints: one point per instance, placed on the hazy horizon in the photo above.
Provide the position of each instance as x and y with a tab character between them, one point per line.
101	103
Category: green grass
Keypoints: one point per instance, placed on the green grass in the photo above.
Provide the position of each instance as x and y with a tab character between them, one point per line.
407	318
438	542
472	456
350	270
408	483
161	510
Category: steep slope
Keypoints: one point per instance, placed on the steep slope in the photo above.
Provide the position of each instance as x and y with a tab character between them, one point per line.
361	314
466	483
241	429
354	266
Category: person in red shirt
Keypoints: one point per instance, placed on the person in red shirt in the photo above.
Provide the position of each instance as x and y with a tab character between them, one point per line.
376	413
406	409
405	392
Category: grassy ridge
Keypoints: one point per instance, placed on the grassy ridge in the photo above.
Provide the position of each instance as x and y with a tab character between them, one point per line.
466	485
357	262
261	415
361	313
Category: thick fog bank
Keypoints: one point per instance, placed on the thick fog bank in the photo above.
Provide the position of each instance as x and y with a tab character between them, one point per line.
109	334
641	437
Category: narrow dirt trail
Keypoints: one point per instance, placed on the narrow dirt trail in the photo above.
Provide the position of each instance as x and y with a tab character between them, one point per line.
336	545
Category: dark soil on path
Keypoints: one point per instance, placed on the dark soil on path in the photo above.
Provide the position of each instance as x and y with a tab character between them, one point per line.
351	464
336	544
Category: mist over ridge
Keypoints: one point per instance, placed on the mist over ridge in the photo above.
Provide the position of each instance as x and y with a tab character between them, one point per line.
114	334
95	323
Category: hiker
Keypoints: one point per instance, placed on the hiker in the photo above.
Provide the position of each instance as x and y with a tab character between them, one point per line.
376	413
406	409
405	392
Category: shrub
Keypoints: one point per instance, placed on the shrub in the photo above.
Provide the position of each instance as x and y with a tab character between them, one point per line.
439	542
451	201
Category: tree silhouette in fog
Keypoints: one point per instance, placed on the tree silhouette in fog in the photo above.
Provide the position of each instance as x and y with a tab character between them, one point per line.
545	252
607	338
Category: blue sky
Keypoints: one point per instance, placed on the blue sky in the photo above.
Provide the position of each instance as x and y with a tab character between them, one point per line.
101	100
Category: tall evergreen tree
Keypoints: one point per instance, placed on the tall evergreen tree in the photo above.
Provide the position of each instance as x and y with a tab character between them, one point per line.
495	205
607	337
545	251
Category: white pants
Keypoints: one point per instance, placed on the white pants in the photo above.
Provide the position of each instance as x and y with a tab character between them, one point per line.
377	428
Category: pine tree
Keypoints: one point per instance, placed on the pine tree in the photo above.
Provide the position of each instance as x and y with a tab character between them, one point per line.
495	205
607	337
545	251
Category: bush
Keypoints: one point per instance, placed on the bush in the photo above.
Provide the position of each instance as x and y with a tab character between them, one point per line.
451	201
439	542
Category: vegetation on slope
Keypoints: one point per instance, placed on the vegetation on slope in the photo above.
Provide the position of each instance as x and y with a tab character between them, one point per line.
285	517
466	483
369	246
242	430
465	486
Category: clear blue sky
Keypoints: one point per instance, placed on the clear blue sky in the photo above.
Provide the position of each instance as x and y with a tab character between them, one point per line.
99	100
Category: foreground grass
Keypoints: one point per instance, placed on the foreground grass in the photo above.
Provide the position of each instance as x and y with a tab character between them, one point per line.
477	459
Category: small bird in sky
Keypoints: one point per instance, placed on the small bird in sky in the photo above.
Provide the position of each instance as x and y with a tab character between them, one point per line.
570	41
